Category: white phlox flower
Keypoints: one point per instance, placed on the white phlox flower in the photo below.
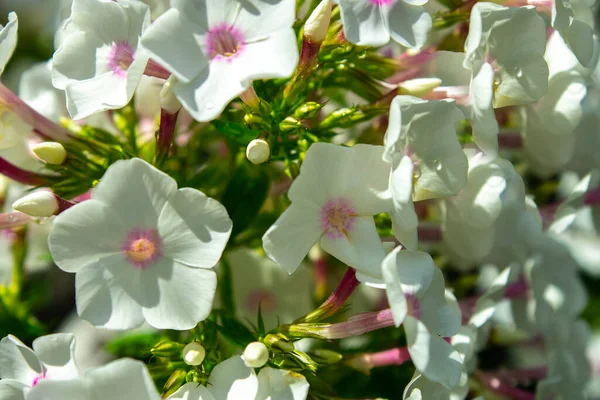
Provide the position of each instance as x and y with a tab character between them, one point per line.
574	21
141	249
334	198
124	378
227	44
428	161
548	126
8	40
416	294
503	74
22	368
232	379
98	63
373	22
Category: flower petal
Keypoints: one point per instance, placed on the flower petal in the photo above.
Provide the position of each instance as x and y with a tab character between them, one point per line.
279	384
364	23
8	39
56	353
191	391
232	380
409	24
122	379
18	361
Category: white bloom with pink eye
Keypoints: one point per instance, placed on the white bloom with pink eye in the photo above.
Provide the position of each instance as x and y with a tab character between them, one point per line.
227	44
98	63
141	249
8	39
22	368
334	198
373	22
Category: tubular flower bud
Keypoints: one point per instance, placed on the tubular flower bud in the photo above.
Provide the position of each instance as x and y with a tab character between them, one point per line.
38	204
166	348
418	87
256	355
193	353
50	152
308	110
258	151
317	23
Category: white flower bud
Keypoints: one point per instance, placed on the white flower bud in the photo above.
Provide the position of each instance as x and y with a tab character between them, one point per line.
418	87
256	355
315	28
258	151
50	152
168	101
37	204
193	353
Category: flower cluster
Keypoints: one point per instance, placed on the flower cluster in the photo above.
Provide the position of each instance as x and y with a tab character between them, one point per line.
272	199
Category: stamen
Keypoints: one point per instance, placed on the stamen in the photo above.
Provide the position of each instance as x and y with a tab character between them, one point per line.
120	58
337	218
224	42
142	248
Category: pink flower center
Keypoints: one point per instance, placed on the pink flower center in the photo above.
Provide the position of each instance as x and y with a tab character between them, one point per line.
224	42
120	58
381	2
142	247
337	217
38	378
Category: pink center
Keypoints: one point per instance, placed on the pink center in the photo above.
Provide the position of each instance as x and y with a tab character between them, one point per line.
120	58
381	2
224	42
337	217
142	247
413	306
264	298
38	378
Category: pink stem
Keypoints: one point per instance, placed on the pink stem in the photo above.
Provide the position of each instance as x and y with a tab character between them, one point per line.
396	356
510	140
359	324
13	219
166	133
592	198
429	233
156	70
21	175
42	126
63	204
522	374
497	386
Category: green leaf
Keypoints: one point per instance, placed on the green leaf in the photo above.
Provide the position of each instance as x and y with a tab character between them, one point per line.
236	131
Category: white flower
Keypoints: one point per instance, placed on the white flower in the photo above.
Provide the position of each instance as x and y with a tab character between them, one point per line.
42	203
548	126
8	39
193	353
119	379
372	22
227	44
36	89
415	292
334	198
256	354
98	63
574	21
23	368
141	249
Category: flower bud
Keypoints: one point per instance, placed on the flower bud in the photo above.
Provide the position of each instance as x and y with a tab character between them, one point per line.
418	87
37	204
315	28
168	101
50	152
193	353
289	124
175	381
253	119
256	355
258	151
280	342
166	348
308	110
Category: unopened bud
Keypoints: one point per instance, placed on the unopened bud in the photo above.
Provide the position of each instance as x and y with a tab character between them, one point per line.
37	204
253	119
168	101
258	151
418	87
166	348
324	356
315	28
194	353
256	355
50	152
280	342
308	110
175	381
289	124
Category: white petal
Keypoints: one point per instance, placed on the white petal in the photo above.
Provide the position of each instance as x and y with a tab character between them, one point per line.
361	248
421	388
232	380
137	190
18	361
185	295
84	234
393	287
261	18
125	378
11	389
191	391
433	356
580	38
75	59
49	389
294	233
56	353
364	23
393	131
409	24
173	34
194	228
485	126
8	39
108	293
279	384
